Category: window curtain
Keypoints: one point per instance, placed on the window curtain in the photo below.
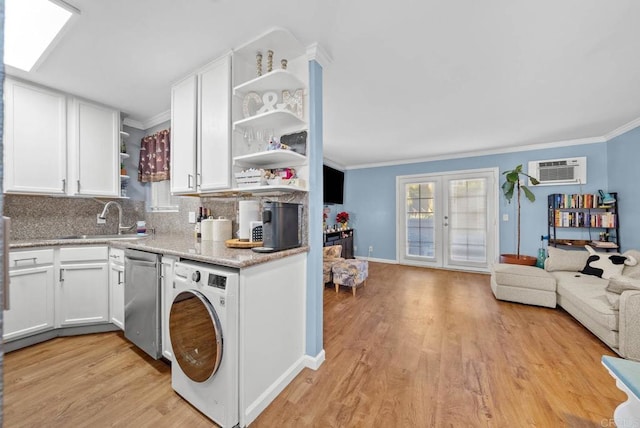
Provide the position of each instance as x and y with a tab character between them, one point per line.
155	157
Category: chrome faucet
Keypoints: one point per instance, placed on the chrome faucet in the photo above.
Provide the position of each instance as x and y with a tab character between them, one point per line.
103	216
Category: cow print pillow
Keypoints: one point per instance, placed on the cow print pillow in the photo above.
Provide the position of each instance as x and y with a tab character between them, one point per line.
605	265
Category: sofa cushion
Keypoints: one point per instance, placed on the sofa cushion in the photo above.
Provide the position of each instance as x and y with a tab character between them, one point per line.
587	293
565	260
618	284
520	276
632	271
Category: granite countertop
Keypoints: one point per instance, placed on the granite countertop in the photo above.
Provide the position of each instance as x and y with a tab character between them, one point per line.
176	245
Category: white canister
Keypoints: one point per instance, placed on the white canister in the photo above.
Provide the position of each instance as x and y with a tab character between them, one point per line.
220	229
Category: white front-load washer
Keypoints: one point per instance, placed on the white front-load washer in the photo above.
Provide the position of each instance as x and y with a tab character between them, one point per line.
203	326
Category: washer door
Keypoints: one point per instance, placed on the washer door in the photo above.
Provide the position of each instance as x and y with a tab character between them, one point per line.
196	335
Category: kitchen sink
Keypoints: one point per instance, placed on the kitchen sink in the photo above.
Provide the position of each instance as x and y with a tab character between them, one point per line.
106	237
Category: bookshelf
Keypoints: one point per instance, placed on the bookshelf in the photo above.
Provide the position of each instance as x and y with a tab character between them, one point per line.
575	220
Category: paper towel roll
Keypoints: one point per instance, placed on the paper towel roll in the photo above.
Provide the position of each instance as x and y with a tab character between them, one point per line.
220	230
248	211
206	229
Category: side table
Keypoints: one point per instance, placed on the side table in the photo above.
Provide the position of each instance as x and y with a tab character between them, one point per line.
627	376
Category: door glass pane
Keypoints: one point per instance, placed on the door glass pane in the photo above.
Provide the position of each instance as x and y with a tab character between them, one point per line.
468	220
420	230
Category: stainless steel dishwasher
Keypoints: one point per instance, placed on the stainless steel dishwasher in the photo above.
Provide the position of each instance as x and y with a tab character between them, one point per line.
142	301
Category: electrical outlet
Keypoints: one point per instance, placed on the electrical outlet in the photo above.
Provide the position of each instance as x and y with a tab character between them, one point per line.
371	248
505	217
100	220
192	217
355	248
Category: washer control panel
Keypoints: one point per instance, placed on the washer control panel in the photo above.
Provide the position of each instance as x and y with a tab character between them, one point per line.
217	281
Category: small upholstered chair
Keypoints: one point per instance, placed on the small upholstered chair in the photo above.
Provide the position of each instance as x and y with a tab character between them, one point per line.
330	255
350	273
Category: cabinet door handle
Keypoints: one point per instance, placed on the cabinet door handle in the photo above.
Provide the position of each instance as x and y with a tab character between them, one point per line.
61	278
33	260
78	186
198	180
64	185
119	277
189	177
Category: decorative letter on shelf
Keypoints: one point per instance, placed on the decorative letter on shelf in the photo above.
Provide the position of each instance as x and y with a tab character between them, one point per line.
269	100
248	109
293	102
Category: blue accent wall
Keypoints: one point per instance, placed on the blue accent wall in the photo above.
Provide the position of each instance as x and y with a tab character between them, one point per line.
315	287
370	197
623	155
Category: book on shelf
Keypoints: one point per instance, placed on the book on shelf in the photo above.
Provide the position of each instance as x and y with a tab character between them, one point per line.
603	244
584	219
576	201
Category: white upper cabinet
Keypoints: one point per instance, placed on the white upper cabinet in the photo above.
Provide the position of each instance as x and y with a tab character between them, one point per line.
95	136
201	127
59	145
183	135
35	139
214	131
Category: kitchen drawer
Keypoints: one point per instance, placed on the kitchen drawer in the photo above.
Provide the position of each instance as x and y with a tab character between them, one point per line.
30	258
77	254
116	255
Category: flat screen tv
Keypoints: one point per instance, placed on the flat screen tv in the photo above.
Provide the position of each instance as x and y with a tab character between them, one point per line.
333	185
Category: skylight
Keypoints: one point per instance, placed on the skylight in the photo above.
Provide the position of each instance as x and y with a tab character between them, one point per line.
30	27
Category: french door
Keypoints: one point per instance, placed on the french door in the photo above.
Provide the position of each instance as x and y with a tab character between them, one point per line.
447	220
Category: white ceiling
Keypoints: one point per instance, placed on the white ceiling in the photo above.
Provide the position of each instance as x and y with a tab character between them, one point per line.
409	80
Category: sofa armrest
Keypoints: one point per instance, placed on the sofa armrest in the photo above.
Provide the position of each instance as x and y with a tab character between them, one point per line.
629	325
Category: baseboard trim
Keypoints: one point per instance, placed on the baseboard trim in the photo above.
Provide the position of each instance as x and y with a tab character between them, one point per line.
16	344
314	363
261	403
372	259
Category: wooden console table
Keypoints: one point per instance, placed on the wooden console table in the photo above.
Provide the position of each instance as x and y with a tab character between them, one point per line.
341	237
627	376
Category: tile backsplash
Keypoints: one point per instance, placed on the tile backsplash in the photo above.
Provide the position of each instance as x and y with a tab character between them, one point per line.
52	216
36	217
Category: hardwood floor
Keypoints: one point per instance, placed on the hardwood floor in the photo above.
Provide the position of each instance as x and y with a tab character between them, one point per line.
415	348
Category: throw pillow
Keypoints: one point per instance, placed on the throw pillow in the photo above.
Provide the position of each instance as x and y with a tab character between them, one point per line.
632	271
605	265
569	260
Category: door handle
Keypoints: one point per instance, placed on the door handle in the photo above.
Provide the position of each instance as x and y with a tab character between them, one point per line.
61	277
78	186
64	185
189	178
119	277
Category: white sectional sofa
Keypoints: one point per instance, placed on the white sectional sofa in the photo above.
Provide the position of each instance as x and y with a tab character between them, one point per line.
608	307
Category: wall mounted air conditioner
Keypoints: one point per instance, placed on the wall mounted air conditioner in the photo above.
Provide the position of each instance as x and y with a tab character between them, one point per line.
559	171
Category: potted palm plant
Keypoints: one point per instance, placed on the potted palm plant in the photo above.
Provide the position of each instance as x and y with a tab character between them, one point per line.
513	185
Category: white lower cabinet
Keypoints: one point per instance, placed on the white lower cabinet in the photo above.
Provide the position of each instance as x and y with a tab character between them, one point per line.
116	287
31	299
168	264
82	295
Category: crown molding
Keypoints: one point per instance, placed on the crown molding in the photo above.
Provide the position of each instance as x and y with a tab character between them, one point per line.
333	164
133	123
478	153
622	129
157	119
317	53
